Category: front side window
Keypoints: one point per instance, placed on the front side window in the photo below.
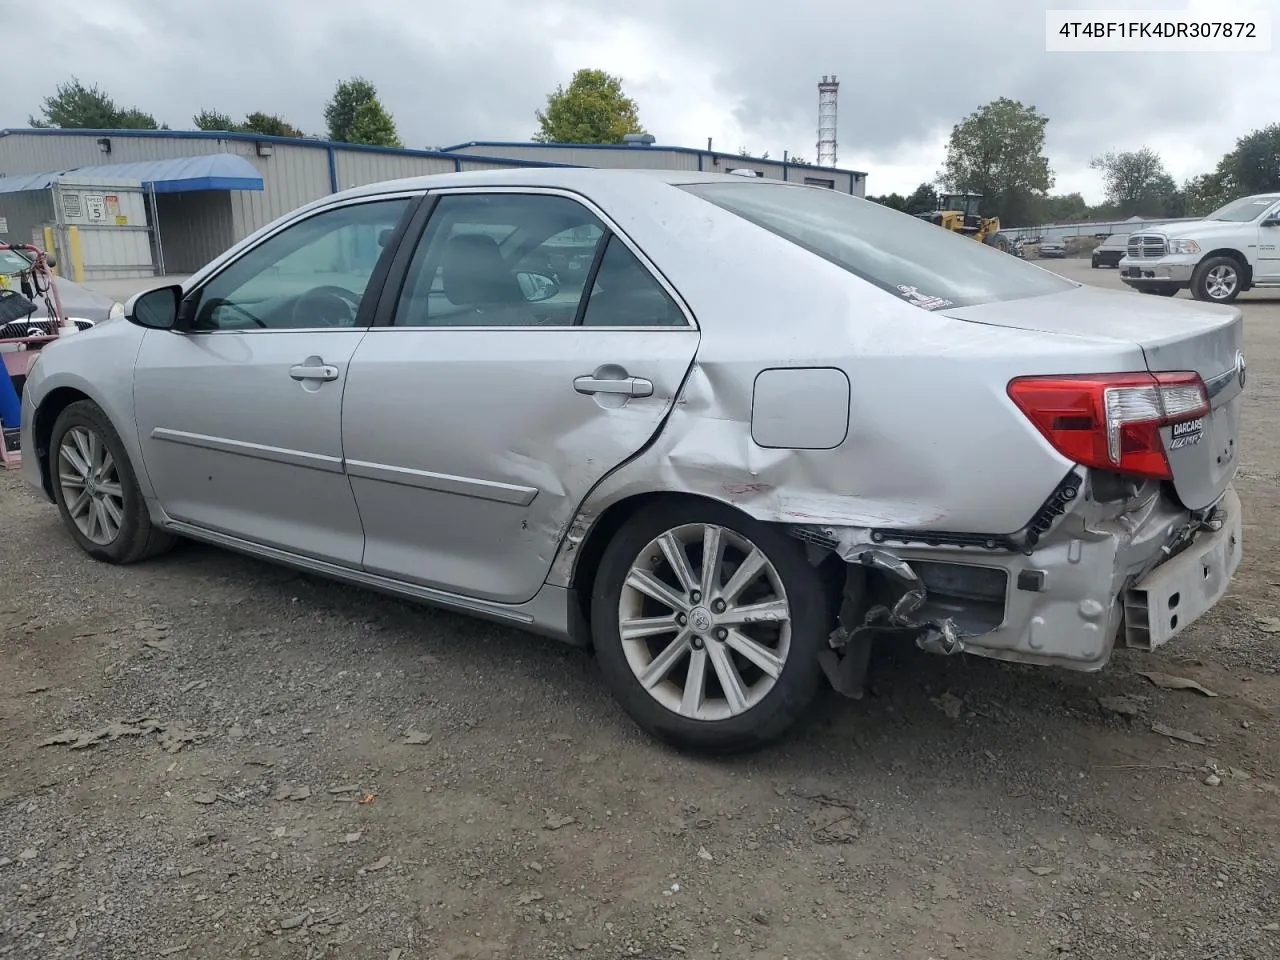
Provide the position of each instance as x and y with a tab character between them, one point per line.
311	274
902	254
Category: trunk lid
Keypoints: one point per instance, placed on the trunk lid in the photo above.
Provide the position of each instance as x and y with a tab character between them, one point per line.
1173	335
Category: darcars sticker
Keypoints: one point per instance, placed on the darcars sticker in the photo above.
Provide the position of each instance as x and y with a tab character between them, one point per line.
1187	433
923	300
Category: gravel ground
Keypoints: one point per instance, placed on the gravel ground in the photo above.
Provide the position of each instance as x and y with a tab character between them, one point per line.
208	756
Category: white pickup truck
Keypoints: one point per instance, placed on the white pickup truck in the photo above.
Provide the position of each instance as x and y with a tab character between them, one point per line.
1233	249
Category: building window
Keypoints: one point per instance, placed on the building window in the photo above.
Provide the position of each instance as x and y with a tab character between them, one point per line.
819	182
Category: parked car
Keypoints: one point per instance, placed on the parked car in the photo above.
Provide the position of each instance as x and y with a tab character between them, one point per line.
773	426
1232	250
1051	249
1110	252
79	303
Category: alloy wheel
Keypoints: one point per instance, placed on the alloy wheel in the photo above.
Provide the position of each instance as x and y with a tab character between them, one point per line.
1220	282
91	486
705	622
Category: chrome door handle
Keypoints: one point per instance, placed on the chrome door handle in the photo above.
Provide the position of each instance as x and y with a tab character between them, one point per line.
306	371
626	387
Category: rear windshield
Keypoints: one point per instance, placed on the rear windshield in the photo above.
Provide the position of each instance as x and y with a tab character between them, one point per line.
922	263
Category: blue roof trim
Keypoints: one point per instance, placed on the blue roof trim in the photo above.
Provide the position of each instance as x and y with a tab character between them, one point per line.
315	142
204	183
215	171
654	146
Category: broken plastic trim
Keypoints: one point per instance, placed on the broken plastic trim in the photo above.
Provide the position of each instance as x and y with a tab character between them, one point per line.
845	664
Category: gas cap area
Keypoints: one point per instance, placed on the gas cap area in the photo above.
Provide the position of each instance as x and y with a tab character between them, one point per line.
800	408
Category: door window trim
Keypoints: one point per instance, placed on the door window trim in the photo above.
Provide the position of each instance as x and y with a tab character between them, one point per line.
393	286
372	295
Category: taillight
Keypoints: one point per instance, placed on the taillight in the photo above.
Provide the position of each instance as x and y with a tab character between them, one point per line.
1111	421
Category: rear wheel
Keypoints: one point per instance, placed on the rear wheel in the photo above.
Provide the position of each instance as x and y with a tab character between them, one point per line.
97	491
708	625
1217	280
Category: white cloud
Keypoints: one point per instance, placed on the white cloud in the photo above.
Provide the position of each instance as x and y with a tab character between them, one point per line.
735	71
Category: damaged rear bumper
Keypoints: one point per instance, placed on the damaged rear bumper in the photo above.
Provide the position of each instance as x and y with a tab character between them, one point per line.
1142	572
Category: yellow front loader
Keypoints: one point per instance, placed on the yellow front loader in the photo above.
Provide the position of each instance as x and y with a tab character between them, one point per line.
959	212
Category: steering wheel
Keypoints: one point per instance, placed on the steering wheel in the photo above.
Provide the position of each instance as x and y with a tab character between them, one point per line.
326	306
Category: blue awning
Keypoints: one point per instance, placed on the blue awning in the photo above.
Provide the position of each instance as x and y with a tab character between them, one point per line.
214	171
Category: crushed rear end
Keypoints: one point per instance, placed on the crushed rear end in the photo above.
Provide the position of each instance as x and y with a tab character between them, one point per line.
1139	539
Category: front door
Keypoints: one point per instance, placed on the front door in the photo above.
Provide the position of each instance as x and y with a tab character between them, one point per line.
239	414
1268	263
530	352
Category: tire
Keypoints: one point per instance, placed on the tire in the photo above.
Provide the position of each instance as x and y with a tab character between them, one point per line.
1217	280
770	706
118	527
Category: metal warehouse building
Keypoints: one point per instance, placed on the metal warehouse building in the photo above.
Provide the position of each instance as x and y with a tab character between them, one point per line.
120	204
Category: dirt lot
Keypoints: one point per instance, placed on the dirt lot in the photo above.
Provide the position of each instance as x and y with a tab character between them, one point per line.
267	765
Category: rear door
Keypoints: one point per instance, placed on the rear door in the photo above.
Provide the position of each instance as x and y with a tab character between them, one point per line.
522	351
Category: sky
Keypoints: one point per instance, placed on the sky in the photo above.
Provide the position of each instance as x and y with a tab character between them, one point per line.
743	73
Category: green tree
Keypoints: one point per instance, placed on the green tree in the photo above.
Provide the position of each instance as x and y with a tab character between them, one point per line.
895	200
797	158
1207	192
1066	208
340	112
213	120
744	152
922	200
374	126
1135	182
1254	165
269	124
594	109
998	151
75	106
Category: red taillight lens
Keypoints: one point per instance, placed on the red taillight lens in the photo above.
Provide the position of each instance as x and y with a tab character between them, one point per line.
1111	421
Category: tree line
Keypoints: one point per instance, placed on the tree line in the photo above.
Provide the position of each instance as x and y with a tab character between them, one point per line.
353	114
998	151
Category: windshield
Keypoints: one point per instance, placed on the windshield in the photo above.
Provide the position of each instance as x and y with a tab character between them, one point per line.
912	258
12	261
1243	210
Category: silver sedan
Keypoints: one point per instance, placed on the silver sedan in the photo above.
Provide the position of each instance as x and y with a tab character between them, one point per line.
728	433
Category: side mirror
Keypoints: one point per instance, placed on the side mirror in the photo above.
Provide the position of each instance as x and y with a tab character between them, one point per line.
1271	222
51	260
536	287
155	309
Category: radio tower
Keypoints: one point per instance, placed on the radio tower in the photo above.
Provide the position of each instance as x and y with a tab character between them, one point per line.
828	88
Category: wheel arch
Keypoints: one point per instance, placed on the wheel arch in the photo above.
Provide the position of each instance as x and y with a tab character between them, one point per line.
46	415
1246	271
584	563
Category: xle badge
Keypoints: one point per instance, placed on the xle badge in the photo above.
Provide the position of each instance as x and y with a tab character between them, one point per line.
1187	433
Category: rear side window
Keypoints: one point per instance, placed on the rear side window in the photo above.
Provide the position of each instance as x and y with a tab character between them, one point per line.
904	255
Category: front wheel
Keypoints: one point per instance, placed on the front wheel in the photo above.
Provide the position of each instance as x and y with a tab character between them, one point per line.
708	625
97	491
1217	280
